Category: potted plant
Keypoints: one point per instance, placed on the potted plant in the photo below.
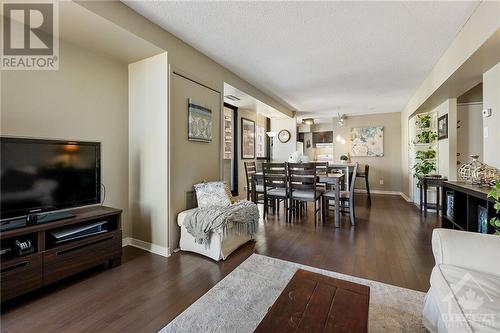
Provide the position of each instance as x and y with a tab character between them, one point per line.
425	154
423	121
426	137
423	168
344	158
495	194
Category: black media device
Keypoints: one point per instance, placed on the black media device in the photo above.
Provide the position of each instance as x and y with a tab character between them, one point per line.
39	177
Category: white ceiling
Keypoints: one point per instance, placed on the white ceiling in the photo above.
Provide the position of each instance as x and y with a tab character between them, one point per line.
320	57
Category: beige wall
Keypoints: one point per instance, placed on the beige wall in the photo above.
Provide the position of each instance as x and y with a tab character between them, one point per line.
191	162
469	135
387	167
281	150
447	148
491	99
148	151
86	99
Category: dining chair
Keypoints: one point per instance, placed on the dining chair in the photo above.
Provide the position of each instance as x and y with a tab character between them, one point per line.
302	185
321	171
345	197
275	186
364	175
250	170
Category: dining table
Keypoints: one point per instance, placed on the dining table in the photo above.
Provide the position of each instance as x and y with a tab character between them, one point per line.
345	168
333	179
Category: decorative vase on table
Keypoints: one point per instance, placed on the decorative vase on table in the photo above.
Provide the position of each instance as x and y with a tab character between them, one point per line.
478	173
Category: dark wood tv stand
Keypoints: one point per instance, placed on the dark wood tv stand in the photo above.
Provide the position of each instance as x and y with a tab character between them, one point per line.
51	262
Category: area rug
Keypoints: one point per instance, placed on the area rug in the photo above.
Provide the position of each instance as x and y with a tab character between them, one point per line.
240	301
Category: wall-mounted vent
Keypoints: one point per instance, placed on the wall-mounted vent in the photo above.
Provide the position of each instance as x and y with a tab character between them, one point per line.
232	97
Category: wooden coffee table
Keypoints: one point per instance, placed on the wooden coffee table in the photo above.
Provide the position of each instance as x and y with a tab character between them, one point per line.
313	302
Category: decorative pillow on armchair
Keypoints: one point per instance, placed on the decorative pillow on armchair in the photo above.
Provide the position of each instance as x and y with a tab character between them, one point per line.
212	194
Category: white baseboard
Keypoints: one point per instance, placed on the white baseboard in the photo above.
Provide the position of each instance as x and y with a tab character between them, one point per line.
401	194
404	196
153	248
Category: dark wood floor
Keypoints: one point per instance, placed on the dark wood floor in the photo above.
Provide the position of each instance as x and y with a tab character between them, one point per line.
391	243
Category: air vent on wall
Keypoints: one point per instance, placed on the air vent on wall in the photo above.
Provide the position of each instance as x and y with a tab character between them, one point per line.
232	97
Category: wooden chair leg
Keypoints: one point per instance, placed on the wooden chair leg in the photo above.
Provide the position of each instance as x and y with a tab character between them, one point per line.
315	215
265	207
351	210
368	189
285	204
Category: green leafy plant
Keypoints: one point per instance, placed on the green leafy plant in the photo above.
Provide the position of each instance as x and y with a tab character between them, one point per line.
423	121
344	158
495	194
423	168
425	154
426	137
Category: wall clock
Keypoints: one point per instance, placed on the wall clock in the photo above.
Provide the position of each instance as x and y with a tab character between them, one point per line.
284	136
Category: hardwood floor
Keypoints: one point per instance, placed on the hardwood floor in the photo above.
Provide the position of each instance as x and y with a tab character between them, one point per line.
391	243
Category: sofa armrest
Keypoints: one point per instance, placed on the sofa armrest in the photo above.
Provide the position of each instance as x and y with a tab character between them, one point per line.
475	251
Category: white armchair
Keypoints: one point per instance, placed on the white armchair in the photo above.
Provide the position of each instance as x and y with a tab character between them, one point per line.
465	283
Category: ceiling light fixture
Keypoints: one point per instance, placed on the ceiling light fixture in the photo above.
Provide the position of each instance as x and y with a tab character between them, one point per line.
308	121
342	118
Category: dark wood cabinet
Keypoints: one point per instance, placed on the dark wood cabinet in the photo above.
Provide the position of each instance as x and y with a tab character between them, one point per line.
466	207
21	275
323	137
52	261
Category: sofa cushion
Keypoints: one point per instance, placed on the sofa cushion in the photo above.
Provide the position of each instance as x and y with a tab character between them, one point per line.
469	301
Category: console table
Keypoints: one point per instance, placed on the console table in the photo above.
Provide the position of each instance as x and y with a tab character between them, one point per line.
50	261
425	183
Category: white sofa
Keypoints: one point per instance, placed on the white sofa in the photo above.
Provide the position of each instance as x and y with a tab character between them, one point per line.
218	249
465	283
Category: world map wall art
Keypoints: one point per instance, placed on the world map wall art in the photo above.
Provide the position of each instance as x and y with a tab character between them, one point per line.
199	123
367	141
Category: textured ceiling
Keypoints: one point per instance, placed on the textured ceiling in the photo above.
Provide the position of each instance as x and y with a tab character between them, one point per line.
320	57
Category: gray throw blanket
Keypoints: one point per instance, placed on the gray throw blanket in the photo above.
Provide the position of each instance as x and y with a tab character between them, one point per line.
243	216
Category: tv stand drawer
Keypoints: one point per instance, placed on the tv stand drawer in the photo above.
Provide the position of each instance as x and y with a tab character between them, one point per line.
74	257
20	275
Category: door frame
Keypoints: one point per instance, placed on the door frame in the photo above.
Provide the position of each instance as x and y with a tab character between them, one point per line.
236	161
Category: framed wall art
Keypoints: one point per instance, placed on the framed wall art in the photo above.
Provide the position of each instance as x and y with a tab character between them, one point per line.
199	123
247	139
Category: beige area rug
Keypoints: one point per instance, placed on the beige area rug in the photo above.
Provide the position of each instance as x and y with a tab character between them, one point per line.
240	301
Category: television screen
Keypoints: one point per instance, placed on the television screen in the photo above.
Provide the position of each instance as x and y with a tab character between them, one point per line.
43	175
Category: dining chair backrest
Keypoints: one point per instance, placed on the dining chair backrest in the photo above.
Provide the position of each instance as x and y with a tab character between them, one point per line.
274	175
250	169
353	179
321	168
302	176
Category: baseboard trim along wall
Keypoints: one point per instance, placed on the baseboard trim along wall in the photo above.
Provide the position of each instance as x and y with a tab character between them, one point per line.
153	248
385	193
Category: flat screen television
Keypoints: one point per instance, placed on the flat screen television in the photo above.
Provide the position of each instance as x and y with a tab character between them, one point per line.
46	175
